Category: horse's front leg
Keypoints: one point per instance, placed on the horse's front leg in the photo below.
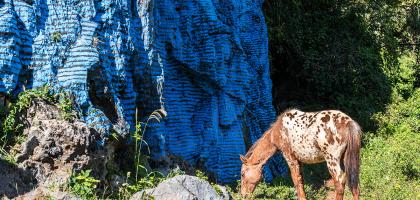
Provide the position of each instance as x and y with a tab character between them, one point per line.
295	171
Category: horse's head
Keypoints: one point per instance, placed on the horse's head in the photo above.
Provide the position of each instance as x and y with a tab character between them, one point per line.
251	175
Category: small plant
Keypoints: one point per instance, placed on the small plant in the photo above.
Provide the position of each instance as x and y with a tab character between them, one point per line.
12	129
138	138
65	104
56	37
83	185
143	178
7	156
24	101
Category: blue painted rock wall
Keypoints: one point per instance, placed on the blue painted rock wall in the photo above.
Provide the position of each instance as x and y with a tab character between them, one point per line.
205	62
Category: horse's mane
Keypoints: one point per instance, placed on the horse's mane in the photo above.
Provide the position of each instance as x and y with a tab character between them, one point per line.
251	150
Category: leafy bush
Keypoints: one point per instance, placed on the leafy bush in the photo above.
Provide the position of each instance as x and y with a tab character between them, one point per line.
324	56
83	185
339	54
391	160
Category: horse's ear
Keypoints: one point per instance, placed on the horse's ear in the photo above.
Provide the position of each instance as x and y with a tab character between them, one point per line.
243	159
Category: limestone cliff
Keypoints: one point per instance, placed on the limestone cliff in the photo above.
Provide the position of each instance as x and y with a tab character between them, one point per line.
205	62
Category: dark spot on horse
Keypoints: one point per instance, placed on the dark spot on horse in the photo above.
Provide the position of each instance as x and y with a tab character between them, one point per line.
335	117
338	139
333	164
330	137
311	121
326	118
316	145
341	127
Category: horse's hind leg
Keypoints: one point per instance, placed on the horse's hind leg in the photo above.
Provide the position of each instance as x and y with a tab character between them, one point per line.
338	175
295	170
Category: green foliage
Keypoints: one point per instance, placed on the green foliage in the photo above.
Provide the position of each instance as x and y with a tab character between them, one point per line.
24	101
65	104
11	128
83	185
280	188
391	159
150	180
339	54
8	157
201	175
144	177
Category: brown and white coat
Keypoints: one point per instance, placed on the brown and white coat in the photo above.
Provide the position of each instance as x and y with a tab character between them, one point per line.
308	137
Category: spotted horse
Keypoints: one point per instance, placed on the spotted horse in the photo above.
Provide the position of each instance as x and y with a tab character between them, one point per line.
306	138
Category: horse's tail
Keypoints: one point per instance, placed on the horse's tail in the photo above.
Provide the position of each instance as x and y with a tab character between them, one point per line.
352	156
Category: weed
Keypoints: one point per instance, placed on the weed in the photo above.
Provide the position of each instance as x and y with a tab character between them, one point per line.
143	178
65	104
83	185
8	157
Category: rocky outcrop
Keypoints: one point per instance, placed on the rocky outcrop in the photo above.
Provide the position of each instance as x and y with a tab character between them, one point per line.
54	146
182	187
53	149
204	62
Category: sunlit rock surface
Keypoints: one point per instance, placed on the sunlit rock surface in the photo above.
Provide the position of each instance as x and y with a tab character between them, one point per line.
205	62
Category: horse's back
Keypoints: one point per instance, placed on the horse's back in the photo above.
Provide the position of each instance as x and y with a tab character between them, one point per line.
301	140
312	135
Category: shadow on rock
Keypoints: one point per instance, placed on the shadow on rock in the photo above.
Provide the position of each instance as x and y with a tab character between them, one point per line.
14	181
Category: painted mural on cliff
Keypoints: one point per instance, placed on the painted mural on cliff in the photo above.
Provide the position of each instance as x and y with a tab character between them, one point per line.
205	62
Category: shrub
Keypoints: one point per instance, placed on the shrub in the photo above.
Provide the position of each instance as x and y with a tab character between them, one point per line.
83	185
391	160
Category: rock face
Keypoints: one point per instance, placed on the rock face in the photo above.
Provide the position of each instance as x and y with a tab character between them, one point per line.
181	187
12	177
52	150
204	62
54	147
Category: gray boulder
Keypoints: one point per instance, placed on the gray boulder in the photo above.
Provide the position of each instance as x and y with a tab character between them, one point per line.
182	187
